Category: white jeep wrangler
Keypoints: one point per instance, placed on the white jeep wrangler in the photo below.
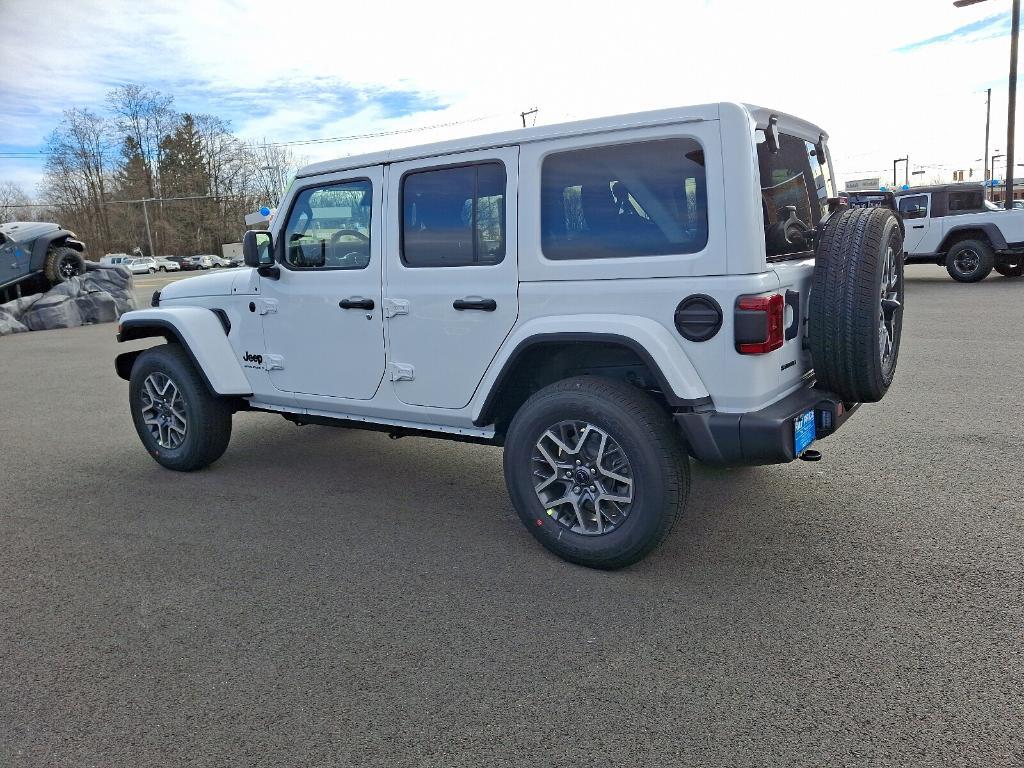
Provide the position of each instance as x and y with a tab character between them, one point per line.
601	297
954	226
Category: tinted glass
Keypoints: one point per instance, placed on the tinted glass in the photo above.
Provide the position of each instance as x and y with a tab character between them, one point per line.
329	227
641	199
795	187
454	217
972	200
914	206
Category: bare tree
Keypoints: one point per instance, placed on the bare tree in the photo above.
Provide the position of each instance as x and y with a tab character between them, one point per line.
272	168
13	200
79	167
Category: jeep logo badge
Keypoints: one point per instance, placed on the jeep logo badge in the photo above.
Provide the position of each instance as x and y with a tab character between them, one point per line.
251	358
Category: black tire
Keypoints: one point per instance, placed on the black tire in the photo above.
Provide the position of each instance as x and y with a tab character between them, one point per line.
660	468
848	309
63	263
1010	270
970	261
162	269
208	426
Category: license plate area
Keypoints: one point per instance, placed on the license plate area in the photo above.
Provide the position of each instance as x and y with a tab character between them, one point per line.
803	432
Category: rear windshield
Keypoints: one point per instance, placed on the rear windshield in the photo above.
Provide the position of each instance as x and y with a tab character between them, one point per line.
795	187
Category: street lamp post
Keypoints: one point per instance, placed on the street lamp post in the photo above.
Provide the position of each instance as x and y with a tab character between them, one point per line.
1011	107
906	169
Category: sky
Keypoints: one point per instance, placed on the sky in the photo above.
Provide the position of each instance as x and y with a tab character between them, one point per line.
885	78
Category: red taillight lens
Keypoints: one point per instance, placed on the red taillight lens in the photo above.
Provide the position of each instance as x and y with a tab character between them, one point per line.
774	310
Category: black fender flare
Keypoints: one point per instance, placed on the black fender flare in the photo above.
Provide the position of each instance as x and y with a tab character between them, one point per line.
507	370
42	245
995	236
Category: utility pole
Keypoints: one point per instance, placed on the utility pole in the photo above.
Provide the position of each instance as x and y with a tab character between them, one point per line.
149	234
1011	109
533	111
1011	113
988	118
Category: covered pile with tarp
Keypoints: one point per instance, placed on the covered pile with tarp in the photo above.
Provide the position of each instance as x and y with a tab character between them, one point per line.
99	296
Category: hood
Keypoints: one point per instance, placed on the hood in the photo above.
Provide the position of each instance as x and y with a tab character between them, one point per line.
218	283
25	231
215	284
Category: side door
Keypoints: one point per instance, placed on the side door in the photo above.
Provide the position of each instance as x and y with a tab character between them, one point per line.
322	323
11	266
915	209
451	273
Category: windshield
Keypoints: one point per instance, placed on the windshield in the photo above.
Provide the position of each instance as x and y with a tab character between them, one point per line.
795	187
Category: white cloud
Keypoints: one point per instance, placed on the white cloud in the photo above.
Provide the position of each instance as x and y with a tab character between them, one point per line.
834	63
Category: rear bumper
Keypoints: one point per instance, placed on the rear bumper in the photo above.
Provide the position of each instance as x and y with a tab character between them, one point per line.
765	436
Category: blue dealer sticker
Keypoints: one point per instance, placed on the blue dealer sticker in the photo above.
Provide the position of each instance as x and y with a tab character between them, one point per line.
803	431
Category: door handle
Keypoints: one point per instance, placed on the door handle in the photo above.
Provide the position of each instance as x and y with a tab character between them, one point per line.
918	226
472	302
356	303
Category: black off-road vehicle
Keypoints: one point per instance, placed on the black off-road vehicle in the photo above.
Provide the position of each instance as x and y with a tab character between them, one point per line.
36	255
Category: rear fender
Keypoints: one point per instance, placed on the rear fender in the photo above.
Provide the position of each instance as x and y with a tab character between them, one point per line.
991	230
201	334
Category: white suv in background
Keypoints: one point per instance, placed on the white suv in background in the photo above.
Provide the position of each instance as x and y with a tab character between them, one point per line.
601	297
140	266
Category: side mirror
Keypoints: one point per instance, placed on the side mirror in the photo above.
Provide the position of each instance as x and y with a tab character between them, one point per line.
257	248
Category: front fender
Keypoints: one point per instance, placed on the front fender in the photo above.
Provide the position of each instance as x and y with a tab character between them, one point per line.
648	338
200	332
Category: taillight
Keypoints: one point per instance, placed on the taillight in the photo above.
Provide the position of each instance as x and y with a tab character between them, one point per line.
759	324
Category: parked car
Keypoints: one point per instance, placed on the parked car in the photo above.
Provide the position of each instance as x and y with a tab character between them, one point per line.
219	262
37	255
140	266
167	264
601	298
201	262
183	262
954	226
113	259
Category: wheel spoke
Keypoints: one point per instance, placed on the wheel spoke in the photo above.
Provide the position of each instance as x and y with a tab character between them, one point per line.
582	476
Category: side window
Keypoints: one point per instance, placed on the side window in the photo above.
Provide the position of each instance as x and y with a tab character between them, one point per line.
964	202
641	199
329	227
914	206
454	217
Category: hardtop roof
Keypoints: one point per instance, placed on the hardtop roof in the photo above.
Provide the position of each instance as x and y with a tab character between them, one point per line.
650	118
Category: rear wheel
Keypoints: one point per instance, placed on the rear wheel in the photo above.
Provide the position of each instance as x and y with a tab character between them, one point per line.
595	471
1010	270
856	310
183	426
970	261
63	263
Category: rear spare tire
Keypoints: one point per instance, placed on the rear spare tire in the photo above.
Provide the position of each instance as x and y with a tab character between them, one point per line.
856	305
63	263
970	261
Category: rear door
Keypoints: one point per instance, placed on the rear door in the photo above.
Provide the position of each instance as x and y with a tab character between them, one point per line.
915	212
451	272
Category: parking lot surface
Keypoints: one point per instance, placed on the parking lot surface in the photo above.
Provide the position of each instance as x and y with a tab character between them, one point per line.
334	597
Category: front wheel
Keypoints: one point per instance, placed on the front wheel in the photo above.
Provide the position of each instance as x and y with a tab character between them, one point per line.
595	471
63	263
183	426
970	261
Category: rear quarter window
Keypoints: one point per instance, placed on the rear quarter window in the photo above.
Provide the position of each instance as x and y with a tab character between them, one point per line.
638	199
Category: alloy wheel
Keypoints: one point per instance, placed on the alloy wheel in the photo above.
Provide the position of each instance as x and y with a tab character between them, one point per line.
967	261
583	477
163	410
889	307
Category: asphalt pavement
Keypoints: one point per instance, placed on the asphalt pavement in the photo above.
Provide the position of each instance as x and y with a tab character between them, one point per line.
332	597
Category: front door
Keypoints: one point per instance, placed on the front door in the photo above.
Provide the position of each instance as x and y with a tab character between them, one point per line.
11	266
451	275
914	210
322	323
